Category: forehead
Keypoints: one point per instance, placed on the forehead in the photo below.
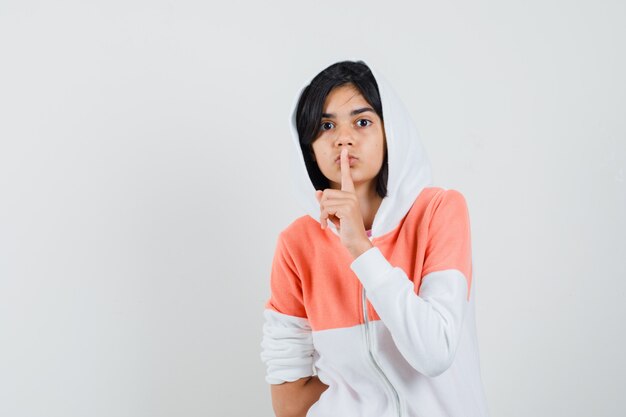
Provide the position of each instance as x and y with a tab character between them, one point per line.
343	99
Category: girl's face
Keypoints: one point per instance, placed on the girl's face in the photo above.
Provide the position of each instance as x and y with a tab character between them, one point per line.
348	120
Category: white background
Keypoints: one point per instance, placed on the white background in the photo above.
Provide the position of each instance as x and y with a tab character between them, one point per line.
144	179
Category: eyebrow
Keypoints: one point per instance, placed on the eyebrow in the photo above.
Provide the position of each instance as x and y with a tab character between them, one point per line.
352	113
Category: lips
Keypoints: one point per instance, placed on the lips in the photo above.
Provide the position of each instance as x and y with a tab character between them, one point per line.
351	158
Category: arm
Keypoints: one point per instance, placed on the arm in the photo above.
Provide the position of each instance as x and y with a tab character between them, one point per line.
288	354
287	345
293	399
425	327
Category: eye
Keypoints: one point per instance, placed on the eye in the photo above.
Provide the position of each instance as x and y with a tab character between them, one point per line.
324	125
360	122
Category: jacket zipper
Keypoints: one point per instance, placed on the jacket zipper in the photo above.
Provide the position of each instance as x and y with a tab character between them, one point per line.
371	354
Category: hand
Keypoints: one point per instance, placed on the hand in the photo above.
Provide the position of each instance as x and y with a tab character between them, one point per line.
342	208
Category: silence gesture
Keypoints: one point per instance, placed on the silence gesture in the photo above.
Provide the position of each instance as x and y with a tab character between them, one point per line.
341	207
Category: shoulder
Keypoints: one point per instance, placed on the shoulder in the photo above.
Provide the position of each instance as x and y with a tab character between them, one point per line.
448	207
301	239
432	198
451	197
439	203
300	229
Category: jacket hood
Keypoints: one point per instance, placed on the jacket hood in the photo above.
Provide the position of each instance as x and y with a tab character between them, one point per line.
409	169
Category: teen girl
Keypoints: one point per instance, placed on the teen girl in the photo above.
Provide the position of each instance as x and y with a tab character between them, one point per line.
371	311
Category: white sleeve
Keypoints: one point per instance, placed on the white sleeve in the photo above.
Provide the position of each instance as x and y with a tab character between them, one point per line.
426	328
287	347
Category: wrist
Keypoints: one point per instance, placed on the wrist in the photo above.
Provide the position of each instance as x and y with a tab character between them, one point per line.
361	248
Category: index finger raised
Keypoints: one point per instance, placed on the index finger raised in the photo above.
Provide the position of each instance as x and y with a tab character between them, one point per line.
346	176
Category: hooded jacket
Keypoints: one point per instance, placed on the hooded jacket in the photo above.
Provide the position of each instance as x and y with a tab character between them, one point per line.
392	332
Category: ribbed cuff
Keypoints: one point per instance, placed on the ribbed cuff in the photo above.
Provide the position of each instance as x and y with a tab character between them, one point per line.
371	267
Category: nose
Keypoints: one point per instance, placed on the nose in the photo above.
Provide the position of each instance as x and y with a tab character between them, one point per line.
344	137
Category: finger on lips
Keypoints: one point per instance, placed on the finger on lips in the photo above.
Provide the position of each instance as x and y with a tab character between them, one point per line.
328	210
346	177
